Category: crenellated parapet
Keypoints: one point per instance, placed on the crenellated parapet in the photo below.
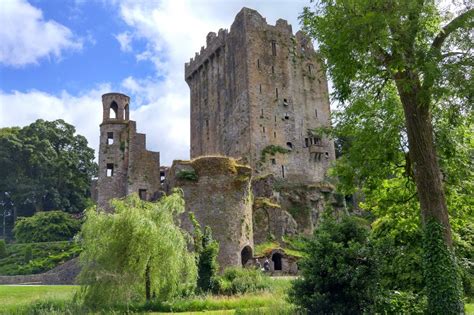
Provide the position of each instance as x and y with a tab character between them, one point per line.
213	44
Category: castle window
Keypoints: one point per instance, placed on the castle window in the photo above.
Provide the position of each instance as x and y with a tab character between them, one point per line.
274	134
275	118
306	142
287	116
283	171
142	194
114	110
263	129
326	155
317	140
261	113
285	102
273	69
273	161
310	68
258	63
127	113
289	145
246	254
316	113
110	170
110	138
276	92
260	88
274	48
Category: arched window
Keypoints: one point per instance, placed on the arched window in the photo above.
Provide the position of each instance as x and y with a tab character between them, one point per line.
127	114
289	145
113	110
276	258
246	254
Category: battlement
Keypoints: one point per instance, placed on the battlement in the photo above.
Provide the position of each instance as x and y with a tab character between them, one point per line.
248	18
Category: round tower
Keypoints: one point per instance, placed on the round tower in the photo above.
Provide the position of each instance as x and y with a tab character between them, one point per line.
113	148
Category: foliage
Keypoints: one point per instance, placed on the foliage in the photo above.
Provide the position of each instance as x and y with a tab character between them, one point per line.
206	249
272	150
338	273
48	226
187	175
27	254
443	290
44	256
3	249
44	166
242	280
135	252
402	74
400	302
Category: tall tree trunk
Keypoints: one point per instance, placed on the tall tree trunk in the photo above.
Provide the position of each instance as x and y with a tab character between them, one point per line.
423	155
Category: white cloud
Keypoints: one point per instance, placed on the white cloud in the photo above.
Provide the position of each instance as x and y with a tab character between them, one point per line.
124	40
26	37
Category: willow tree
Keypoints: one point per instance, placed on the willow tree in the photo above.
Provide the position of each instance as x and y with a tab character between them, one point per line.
370	46
135	253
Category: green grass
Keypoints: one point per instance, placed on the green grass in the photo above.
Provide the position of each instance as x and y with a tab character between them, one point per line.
45	256
16	297
469	308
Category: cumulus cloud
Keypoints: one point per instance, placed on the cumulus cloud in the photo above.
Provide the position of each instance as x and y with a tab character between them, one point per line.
26	37
124	40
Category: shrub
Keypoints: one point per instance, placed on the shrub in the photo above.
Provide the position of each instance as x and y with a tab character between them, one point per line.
400	302
28	254
46	227
187	175
241	280
3	249
338	273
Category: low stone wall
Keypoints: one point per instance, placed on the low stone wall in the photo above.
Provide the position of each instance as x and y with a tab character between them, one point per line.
63	274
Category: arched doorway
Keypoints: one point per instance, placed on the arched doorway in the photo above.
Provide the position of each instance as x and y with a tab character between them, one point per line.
276	258
246	254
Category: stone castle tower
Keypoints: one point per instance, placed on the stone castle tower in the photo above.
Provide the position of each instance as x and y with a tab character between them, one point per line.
258	93
125	166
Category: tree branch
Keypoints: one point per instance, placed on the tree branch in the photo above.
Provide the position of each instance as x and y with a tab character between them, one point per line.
452	26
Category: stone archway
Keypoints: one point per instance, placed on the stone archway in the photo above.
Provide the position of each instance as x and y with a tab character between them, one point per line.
246	254
276	258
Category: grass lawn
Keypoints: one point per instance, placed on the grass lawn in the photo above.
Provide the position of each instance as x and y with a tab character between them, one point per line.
14	297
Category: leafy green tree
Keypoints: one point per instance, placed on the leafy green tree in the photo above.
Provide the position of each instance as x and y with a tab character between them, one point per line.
338	274
44	166
3	249
206	249
48	226
410	50
135	253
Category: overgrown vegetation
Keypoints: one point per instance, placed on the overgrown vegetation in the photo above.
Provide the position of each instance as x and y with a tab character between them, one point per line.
242	280
272	150
48	226
136	253
34	258
187	175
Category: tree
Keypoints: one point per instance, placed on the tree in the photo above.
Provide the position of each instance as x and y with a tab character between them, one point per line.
372	47
44	166
206	249
48	226
338	275
135	253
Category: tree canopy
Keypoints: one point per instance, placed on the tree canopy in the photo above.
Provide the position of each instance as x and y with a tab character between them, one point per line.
44	166
402	70
136	252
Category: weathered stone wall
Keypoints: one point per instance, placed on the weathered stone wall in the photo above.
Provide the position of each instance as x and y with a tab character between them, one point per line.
134	167
219	195
260	85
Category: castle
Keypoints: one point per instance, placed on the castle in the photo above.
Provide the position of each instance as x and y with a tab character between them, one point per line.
258	97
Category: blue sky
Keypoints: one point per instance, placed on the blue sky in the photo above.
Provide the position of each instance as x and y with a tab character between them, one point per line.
58	57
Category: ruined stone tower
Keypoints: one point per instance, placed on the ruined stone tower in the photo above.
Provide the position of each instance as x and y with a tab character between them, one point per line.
258	92
125	166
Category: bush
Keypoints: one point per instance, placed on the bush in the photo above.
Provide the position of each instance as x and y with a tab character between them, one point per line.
3	249
338	273
48	226
28	254
400	302
241	280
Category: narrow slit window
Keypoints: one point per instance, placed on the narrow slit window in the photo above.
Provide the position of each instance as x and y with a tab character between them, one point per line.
258	63
310	68
306	142
285	102
274	161
110	138
261	113
283	171
316	113
263	129
274	134
273	69
274	49
276	92
110	170
260	88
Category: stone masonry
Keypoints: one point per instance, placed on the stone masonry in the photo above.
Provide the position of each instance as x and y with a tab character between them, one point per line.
217	190
258	92
125	166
